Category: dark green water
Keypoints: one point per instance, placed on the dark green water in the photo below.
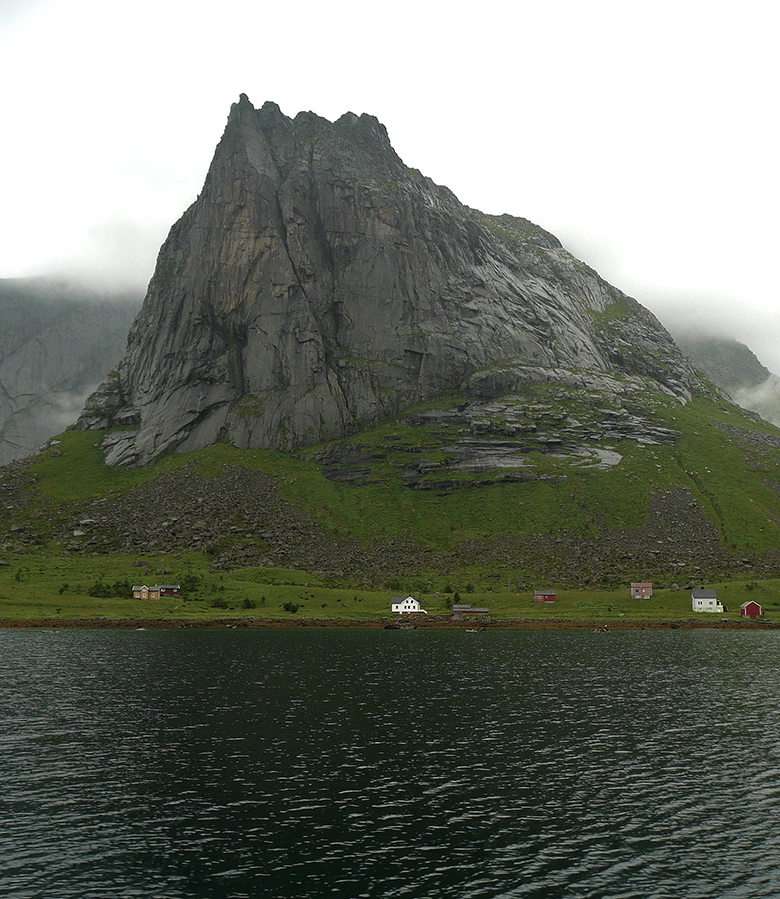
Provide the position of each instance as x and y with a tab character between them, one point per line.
276	763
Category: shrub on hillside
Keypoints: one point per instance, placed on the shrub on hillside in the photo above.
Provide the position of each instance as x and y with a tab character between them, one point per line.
120	589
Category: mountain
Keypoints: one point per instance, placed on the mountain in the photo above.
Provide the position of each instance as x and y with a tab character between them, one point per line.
56	344
736	369
727	362
318	286
340	369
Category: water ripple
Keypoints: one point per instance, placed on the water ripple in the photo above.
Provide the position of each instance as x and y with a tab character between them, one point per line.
383	764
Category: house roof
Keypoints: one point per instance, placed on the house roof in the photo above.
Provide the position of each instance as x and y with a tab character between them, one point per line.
462	607
750	602
704	593
158	587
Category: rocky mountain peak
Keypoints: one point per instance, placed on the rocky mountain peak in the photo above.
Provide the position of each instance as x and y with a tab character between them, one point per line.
318	286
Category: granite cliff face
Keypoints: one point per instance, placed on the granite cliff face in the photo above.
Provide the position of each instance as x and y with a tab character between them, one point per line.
318	285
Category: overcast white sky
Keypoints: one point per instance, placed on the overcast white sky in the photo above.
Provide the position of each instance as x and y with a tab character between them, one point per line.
644	135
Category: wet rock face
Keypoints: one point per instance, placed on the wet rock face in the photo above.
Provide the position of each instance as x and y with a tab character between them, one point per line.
318	285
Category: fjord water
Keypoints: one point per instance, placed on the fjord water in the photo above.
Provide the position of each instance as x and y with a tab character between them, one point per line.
371	763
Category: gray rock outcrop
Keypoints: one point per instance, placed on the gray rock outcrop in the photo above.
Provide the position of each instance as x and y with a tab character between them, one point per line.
318	286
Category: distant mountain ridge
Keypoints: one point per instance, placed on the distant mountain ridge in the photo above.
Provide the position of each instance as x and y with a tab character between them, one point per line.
735	368
56	344
317	286
727	362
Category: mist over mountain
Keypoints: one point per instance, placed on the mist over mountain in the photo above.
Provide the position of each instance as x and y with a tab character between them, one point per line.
318	286
736	369
727	362
57	341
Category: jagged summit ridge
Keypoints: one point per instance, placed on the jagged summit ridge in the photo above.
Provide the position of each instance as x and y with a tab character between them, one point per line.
318	285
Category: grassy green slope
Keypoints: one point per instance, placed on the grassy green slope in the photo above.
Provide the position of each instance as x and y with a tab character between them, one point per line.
489	540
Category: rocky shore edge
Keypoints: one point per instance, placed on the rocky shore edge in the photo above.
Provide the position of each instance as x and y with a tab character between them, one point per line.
507	624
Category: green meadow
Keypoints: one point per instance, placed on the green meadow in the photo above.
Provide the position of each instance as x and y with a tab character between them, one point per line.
66	588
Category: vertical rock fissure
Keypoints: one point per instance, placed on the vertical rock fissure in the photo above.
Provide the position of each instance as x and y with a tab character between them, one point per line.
328	286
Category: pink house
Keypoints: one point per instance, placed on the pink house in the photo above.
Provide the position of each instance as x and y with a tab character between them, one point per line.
641	591
545	596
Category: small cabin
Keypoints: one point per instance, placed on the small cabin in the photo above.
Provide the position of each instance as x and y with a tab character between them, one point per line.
408	606
750	609
705	599
156	592
545	596
461	610
641	590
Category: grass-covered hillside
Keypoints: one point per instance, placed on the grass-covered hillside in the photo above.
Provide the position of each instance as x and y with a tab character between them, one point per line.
565	489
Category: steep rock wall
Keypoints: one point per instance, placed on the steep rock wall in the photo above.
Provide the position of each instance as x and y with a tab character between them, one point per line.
318	285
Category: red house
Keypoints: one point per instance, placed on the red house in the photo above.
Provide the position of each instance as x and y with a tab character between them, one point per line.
750	609
641	590
545	596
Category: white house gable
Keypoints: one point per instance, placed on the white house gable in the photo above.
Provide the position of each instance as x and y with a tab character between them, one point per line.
406	606
705	600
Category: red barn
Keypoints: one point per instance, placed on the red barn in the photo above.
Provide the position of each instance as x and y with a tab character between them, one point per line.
750	609
545	596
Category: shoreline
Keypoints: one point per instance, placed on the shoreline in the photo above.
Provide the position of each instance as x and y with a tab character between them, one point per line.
506	624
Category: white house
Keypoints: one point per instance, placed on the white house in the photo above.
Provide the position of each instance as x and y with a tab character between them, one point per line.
705	599
406	606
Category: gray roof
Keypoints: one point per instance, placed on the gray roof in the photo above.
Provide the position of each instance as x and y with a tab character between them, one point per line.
158	587
704	593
